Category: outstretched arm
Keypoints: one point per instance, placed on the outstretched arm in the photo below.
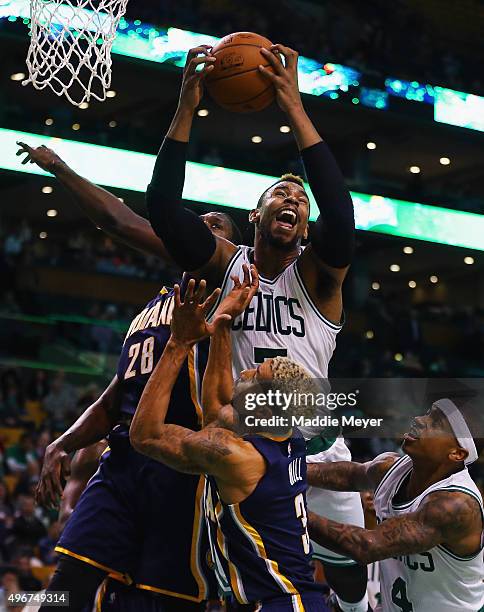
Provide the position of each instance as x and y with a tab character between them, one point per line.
218	382
93	425
102	207
350	475
188	240
444	516
325	261
178	447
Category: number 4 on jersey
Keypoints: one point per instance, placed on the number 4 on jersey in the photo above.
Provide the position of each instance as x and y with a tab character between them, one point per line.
399	595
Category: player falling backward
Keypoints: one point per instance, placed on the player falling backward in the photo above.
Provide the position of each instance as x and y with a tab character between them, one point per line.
298	309
429	539
303	326
255	483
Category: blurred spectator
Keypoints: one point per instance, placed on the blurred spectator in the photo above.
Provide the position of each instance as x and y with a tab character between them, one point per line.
27	529
9	586
26	579
12	398
38	386
60	401
20	457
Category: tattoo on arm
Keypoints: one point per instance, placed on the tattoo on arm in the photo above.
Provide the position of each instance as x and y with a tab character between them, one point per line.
412	533
349	475
192	452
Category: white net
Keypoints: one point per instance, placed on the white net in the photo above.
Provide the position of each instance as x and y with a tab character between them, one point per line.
70	47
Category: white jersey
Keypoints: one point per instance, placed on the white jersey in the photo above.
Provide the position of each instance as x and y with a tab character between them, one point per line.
281	320
433	581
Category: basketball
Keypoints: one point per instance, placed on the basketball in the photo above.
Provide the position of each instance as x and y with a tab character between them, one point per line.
236	83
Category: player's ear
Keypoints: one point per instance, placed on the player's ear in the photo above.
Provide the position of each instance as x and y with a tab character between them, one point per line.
458	454
306	232
254	216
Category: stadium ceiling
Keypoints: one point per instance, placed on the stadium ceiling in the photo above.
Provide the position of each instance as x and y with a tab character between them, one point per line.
144	41
221	186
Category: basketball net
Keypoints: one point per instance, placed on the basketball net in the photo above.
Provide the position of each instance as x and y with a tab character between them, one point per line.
70	46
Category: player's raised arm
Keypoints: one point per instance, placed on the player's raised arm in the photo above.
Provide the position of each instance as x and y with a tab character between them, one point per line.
333	235
450	518
94	424
188	240
178	447
218	383
350	475
102	207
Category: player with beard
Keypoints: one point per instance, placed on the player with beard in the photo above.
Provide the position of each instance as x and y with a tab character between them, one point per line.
298	310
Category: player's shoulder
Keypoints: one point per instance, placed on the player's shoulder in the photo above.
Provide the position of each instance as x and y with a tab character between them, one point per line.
379	467
457	508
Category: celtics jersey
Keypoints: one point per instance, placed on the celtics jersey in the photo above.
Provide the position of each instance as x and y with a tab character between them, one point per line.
281	320
437	580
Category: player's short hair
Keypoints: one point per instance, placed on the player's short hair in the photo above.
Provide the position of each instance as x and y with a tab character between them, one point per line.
288	177
291	377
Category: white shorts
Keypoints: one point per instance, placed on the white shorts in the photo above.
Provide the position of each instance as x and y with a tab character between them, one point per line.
337	506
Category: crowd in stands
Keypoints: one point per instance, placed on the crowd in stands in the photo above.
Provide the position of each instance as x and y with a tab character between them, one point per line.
378	37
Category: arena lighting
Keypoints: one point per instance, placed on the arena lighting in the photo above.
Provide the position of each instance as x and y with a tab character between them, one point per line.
285	129
469	260
76	127
408	250
234	188
375	286
170	45
112	124
256	139
412	284
203	112
47	189
371	146
49	121
110	93
414	169
51	212
445	161
17	76
434	279
370	334
43	235
395	268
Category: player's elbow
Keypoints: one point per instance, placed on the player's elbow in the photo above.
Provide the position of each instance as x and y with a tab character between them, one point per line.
139	440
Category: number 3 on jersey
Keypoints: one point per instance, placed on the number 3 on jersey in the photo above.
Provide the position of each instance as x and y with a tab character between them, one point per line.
301	514
399	595
146	359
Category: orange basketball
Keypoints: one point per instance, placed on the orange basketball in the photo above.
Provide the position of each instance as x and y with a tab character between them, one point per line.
235	82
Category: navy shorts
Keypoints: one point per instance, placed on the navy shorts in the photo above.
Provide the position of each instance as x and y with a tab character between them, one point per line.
142	522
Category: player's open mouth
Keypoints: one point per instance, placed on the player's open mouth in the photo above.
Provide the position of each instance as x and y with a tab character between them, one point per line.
412	434
286	218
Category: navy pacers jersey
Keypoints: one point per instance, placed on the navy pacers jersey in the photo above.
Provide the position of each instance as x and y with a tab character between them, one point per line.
144	343
260	547
138	518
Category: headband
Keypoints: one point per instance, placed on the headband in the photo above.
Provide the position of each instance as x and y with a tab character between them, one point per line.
459	428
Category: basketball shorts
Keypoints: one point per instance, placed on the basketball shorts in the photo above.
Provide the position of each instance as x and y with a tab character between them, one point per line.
142	522
337	506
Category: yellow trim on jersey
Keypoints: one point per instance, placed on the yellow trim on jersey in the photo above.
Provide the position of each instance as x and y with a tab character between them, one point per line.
146	587
163	290
235	579
108	448
273	567
100	595
124	578
194	552
193	384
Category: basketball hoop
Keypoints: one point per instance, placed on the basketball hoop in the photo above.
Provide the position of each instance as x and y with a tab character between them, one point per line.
70	47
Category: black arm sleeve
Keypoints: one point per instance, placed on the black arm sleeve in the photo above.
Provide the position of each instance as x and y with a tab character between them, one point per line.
186	237
333	234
